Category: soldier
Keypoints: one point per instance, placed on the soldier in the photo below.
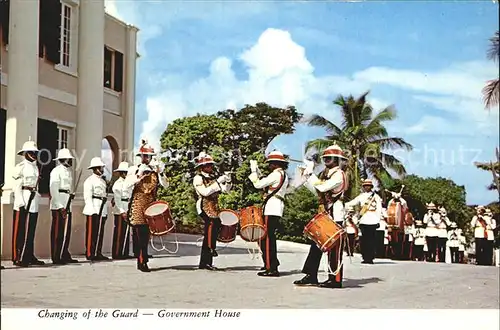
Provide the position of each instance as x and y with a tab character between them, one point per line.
122	191
482	226
350	224
453	243
274	204
95	197
208	188
442	233
25	209
431	220
370	213
490	241
461	246
380	236
61	196
330	187
408	242
419	243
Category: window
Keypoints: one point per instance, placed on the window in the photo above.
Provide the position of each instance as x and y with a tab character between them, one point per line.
62	140
113	69
65	35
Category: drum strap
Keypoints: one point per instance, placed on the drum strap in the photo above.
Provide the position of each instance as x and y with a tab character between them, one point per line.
275	191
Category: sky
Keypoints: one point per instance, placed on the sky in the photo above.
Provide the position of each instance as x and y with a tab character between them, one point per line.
427	59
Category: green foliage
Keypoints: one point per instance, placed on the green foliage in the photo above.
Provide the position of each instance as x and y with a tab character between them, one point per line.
363	137
418	191
232	138
300	207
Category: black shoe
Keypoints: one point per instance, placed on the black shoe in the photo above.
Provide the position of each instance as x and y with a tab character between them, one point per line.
307	280
143	268
263	268
367	262
269	273
36	262
101	257
207	267
214	253
70	261
331	284
58	262
22	264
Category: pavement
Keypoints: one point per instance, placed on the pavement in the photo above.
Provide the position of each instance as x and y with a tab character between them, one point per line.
175	282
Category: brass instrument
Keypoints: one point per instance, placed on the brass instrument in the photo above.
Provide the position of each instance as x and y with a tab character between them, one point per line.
367	204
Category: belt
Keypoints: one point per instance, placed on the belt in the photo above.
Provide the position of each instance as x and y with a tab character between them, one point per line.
66	191
124	199
28	188
98	197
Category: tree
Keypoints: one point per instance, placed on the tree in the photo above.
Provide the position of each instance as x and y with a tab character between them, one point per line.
364	138
300	207
418	191
491	92
494	168
232	138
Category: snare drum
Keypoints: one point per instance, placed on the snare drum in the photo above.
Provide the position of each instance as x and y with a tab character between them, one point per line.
229	226
324	231
252	228
159	218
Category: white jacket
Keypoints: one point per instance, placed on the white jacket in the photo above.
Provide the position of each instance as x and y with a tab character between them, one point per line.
275	205
442	227
122	191
161	178
205	191
374	212
483	230
61	185
419	234
453	238
26	174
336	183
432	223
94	186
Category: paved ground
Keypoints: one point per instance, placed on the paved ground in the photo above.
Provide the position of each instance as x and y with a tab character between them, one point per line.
176	283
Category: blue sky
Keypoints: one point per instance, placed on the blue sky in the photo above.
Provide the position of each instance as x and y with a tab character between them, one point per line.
425	58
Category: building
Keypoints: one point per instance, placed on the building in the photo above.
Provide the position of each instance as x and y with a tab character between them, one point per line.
67	80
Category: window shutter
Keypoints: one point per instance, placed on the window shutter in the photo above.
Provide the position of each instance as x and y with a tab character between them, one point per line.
4	20
46	140
53	34
118	71
42	27
3	121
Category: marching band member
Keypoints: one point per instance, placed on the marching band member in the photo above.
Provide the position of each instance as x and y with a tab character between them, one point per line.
461	246
380	250
490	242
408	242
277	181
431	220
122	191
146	153
442	233
25	208
372	207
419	243
330	187
143	194
61	196
453	243
208	189
95	197
352	230
482	228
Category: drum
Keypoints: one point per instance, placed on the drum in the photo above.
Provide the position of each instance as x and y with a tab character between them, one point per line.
159	218
229	226
324	231
252	228
395	214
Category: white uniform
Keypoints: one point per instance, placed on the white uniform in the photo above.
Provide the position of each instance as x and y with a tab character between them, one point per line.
432	222
122	191
61	183
205	191
480	230
335	182
94	186
442	231
453	239
462	240
26	175
162	179
275	205
419	234
410	231
374	212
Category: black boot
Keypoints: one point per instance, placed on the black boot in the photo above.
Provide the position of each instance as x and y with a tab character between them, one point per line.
36	262
269	273
143	268
331	284
207	267
307	280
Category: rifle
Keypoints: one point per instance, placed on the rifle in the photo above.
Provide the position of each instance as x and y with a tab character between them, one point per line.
72	195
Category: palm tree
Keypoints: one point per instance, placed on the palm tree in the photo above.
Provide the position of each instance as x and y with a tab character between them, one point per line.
364	138
491	92
494	168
